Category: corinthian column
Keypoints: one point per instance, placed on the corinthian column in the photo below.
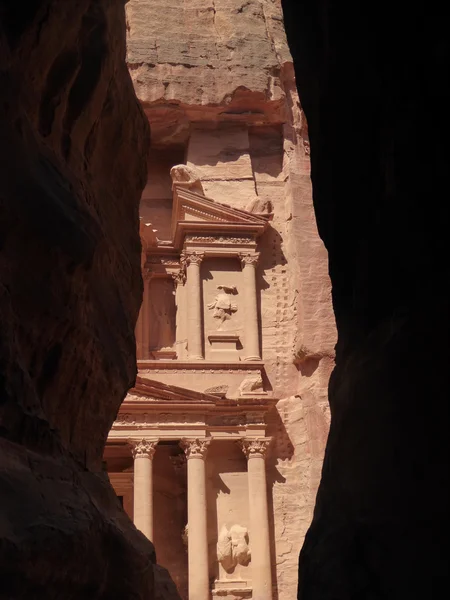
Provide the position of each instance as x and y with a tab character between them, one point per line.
255	451
251	328
143	452
197	526
194	290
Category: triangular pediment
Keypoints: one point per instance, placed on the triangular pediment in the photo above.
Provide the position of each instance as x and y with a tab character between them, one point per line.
193	210
155	391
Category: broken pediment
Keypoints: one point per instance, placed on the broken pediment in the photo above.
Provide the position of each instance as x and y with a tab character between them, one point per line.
194	213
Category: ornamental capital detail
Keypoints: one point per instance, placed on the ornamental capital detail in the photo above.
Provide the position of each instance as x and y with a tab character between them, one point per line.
249	259
193	258
142	448
179	277
195	448
255	448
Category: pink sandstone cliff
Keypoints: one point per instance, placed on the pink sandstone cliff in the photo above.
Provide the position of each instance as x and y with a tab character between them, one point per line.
73	142
216	81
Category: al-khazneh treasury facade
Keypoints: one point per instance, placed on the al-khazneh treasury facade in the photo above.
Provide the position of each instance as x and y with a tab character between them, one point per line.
216	453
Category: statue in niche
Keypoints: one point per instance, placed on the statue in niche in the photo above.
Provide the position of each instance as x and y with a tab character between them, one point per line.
222	306
232	547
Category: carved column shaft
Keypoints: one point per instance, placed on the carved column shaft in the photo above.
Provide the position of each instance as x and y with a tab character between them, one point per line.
194	290
197	519
143	452
256	450
251	328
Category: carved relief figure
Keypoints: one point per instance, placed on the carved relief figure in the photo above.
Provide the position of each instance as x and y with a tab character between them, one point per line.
232	547
222	305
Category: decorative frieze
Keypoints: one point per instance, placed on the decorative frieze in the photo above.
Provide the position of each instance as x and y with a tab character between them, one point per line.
203	239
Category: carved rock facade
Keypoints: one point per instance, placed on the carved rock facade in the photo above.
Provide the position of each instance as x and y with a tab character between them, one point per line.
236	285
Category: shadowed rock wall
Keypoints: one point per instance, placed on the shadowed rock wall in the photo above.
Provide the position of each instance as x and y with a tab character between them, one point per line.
373	81
73	145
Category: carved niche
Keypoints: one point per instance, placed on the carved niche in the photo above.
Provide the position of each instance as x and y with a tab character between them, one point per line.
162	314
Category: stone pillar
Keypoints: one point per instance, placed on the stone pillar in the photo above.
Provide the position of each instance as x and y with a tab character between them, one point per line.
259	538
194	291
197	518
251	328
179	279
143	452
145	309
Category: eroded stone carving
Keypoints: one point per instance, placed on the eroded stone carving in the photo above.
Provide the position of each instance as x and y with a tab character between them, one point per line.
186	177
194	448
260	207
217	389
256	447
249	259
142	448
222	305
251	384
232	547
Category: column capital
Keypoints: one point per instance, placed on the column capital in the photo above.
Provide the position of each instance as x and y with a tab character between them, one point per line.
143	448
195	448
248	258
179	278
192	258
255	448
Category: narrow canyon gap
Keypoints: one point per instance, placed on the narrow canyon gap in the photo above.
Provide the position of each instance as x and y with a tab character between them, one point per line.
374	83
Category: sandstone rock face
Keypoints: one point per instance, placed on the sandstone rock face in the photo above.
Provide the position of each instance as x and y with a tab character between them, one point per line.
73	144
216	81
381	519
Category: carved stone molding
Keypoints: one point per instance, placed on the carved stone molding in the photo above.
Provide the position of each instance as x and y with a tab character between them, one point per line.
249	259
255	448
195	448
142	448
203	239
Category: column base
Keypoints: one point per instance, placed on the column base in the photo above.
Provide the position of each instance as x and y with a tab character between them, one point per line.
248	358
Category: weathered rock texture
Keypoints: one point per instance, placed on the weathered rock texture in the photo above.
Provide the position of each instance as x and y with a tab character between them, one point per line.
374	85
216	81
73	142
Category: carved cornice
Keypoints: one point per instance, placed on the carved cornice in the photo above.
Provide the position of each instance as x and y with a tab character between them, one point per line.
256	448
195	448
142	448
249	259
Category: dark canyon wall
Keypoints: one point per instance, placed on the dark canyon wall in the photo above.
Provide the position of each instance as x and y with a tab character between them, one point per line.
73	145
373	81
